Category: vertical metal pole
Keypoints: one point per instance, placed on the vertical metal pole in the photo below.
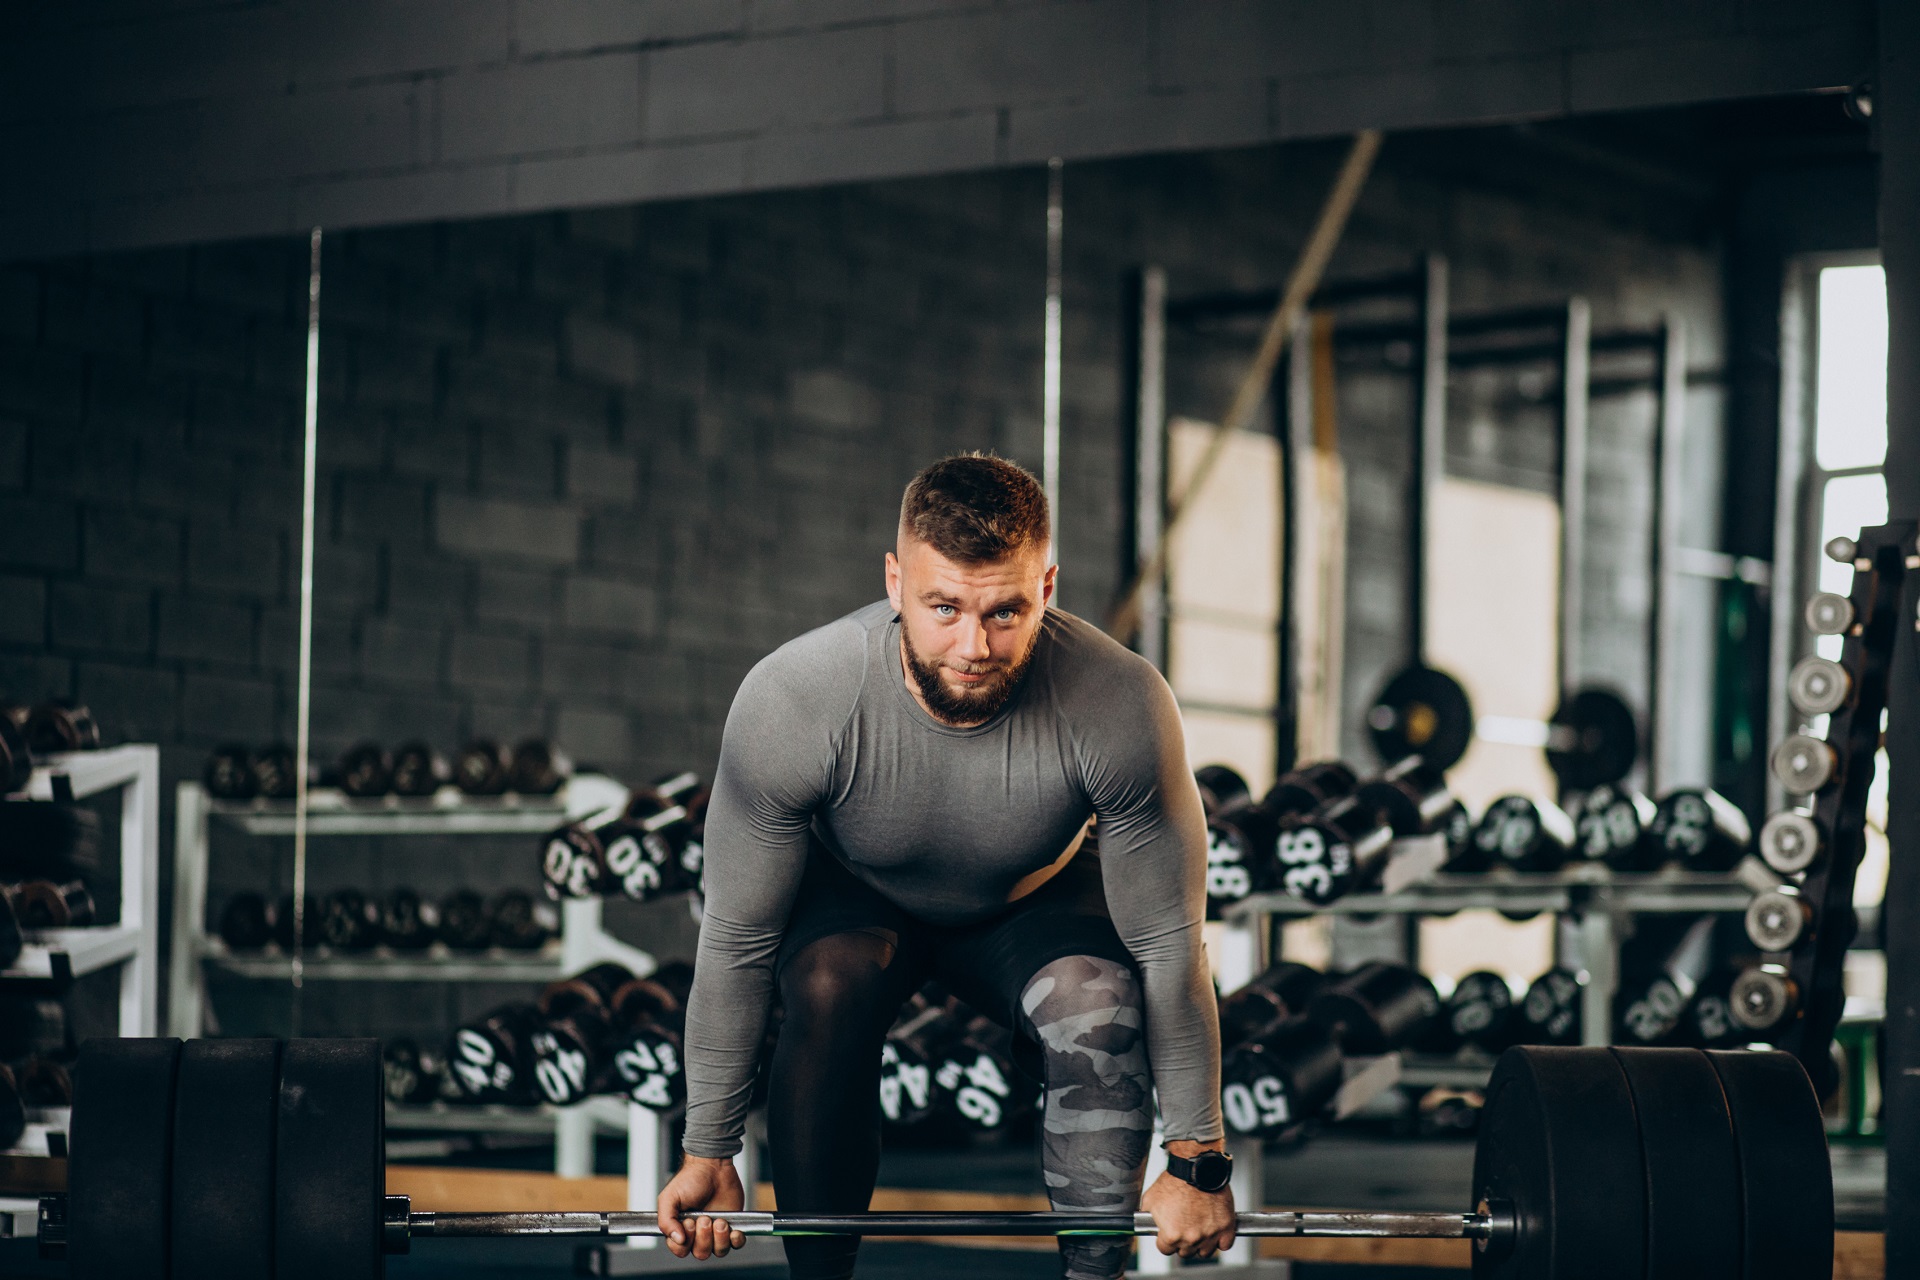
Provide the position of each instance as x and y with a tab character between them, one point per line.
1150	450
1669	446
304	716
1050	373
1574	372
1303	642
1791	514
1429	443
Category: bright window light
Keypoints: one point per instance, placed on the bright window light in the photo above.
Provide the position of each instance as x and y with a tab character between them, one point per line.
1851	426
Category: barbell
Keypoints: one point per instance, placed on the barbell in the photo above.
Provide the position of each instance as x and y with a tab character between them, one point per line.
263	1158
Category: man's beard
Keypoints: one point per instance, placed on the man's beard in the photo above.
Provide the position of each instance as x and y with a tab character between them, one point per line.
967	706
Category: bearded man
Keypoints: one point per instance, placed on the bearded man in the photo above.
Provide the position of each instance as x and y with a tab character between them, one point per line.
961	783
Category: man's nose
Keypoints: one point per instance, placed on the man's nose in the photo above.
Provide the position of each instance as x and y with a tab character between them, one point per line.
973	645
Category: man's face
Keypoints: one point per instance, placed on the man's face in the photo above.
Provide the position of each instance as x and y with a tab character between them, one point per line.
969	629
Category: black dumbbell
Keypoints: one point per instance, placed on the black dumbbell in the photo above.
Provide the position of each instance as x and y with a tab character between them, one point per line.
464	925
43	904
61	725
1276	993
1221	788
1240	854
16	757
537	769
246	923
1550	1012
1481	1012
276	772
1610	825
1700	829
517	924
47	840
1411	797
1791	841
407	923
1378	1007
365	772
1649	1011
1309	787
908	1057
1286	1076
349	922
229	773
573	861
977	1079
1524	834
1709	1020
571	1046
482	768
309	922
649	1019
1330	853
409	1077
418	770
491	1060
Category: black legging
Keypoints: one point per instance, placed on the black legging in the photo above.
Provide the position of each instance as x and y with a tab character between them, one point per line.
841	993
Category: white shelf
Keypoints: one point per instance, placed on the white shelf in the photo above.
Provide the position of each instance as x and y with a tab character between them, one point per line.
383	965
89	773
1588	888
87	950
331	812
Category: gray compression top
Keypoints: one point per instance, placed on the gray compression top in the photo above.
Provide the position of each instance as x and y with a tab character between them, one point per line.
824	738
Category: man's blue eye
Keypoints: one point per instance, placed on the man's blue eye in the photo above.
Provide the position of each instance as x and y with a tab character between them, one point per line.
1005	615
943	610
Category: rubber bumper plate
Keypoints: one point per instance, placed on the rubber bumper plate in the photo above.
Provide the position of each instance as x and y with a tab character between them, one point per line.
329	1161
119	1159
1786	1175
1559	1145
1692	1166
223	1120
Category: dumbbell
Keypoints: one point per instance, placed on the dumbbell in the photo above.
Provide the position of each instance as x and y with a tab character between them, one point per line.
47	840
1221	788
1650	1012
1411	797
1700	829
515	923
1709	1023
16	757
1240	854
409	1077
1287	1075
976	1078
491	1060
649	1018
1791	842
407	923
464	924
349	922
1777	920
571	1045
1764	997
1281	991
1550	1012
276	772
1378	1007
1803	763
1325	855
309	922
42	904
1610	825
537	769
365	772
229	773
482	768
1521	833
418	770
61	725
1310	787
1481	1012
246	922
908	1056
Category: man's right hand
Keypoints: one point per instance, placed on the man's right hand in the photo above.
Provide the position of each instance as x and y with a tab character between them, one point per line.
703	1183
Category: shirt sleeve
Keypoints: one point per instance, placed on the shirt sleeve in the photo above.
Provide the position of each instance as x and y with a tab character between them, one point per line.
774	764
1153	857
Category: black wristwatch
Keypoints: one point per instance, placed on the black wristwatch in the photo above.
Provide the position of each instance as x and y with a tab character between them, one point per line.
1209	1171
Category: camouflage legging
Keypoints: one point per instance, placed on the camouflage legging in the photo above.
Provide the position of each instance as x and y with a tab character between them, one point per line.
1098	1121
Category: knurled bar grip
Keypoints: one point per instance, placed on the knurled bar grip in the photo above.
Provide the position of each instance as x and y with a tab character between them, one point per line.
1452	1226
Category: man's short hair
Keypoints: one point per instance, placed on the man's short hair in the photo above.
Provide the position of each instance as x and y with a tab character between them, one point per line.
975	509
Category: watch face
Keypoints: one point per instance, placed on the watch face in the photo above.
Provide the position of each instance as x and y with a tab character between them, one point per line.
1212	1170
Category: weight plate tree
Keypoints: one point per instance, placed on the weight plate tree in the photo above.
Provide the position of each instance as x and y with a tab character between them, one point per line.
1592	1162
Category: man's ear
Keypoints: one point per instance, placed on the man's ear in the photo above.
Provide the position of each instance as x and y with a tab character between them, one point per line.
1047	584
893	581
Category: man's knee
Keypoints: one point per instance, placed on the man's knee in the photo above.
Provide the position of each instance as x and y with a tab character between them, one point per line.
840	979
1088	1010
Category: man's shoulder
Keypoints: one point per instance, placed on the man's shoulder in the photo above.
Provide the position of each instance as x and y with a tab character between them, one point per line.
821	669
1086	661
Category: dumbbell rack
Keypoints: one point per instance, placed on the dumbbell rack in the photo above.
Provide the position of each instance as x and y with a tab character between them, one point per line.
583	939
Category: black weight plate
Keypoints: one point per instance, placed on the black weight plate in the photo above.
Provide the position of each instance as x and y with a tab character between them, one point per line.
1422	712
1559	1143
1786	1177
329	1161
1602	740
223	1108
120	1159
1693	1170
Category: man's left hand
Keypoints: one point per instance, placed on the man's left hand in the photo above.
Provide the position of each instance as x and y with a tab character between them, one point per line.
1193	1223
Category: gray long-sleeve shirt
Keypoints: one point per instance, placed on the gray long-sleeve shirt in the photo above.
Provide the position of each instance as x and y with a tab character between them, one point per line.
824	738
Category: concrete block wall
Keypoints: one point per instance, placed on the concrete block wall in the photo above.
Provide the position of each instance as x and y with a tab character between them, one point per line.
578	471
